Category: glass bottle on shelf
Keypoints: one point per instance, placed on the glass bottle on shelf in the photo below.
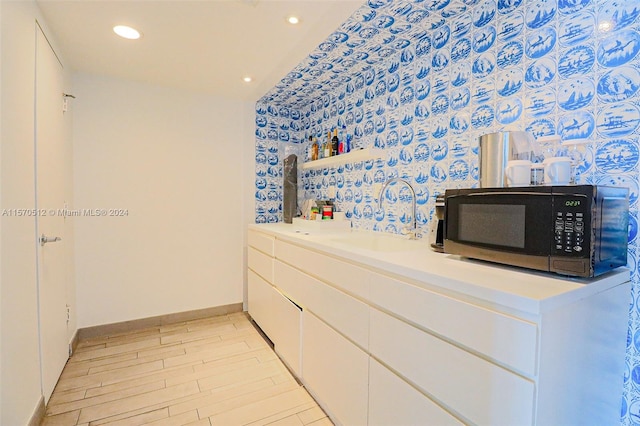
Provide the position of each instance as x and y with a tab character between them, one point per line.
335	143
327	146
314	148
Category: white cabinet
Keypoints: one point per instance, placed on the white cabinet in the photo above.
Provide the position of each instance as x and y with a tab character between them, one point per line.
479	390
261	264
335	371
375	345
286	332
260	302
340	274
505	338
261	242
581	356
392	401
276	314
335	307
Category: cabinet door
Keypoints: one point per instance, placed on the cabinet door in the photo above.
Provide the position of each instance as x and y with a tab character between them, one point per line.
261	242
286	332
479	390
335	371
392	401
338	309
260	263
509	340
345	276
260	302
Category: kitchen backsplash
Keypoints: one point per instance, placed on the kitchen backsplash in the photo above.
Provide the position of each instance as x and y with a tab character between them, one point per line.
422	80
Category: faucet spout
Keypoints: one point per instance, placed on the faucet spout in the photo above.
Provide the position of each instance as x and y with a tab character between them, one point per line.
413	232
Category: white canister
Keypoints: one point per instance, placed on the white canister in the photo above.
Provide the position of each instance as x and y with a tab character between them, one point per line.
557	171
518	173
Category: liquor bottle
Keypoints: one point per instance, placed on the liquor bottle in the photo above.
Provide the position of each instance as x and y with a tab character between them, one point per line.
327	146
335	144
314	148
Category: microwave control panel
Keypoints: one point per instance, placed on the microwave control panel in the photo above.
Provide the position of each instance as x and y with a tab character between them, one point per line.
569	227
569	232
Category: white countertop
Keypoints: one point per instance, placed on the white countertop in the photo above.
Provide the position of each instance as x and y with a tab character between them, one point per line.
518	288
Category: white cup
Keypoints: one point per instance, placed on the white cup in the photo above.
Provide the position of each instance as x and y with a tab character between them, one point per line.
518	173
557	171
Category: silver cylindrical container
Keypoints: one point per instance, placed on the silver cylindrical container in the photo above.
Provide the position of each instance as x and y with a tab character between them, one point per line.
496	149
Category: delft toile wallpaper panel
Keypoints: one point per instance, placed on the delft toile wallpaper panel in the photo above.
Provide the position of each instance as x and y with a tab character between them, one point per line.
422	80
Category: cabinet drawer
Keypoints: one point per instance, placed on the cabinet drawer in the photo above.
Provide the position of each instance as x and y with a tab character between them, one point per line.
335	307
507	339
350	278
260	302
335	371
262	242
286	333
480	391
392	401
260	263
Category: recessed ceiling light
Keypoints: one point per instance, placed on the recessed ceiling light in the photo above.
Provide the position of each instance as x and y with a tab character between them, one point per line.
126	32
247	79
293	20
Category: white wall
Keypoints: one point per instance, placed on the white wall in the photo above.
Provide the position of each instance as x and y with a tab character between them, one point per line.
1	136
182	165
176	161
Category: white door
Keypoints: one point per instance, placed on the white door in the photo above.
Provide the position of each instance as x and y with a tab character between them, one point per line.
51	161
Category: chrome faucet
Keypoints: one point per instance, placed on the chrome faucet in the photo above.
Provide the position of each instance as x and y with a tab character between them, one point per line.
413	231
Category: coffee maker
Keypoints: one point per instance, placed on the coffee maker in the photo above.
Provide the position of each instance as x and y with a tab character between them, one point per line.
436	233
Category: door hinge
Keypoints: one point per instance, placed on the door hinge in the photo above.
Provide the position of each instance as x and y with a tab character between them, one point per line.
68	314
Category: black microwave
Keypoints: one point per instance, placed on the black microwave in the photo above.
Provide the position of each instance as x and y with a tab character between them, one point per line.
576	230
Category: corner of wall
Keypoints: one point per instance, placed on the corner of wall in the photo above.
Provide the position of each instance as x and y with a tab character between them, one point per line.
248	202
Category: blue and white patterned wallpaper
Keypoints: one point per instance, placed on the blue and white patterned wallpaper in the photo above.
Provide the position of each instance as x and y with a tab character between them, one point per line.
422	80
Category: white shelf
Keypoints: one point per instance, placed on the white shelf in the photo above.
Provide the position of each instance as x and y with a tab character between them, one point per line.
350	157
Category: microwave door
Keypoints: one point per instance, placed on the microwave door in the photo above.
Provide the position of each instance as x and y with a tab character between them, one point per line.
511	228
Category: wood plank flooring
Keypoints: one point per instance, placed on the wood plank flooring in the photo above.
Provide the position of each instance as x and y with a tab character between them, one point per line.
214	371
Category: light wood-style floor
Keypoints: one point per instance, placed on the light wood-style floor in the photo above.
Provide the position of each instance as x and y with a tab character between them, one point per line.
214	371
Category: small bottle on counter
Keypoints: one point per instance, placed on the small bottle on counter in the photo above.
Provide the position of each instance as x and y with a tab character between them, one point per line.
314	212
327	212
335	143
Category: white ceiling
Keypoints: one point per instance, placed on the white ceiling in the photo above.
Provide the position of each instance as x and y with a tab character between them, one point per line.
205	46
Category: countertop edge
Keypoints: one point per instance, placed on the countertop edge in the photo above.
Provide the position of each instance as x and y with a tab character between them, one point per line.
514	288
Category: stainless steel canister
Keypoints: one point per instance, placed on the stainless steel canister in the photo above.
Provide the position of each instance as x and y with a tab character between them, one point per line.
496	149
